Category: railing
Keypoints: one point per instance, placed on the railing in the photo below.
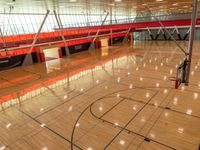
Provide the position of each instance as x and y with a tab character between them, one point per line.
129	20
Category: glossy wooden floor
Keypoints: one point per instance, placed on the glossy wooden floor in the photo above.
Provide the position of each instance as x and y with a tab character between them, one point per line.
128	103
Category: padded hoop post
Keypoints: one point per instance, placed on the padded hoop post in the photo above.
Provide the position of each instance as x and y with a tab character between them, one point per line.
177	84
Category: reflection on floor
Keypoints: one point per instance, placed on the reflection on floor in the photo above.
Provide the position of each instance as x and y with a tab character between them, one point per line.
52	65
51	53
121	100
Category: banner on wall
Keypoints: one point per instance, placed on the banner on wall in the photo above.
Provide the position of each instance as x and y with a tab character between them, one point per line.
79	48
117	40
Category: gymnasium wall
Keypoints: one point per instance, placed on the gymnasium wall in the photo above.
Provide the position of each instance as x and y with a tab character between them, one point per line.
183	35
16	61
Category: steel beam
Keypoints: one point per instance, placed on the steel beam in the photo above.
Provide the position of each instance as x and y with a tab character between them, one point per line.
28	57
3	40
163	33
39	30
111	37
186	35
150	33
171	34
191	41
105	18
58	20
178	33
111	15
95	37
125	37
158	33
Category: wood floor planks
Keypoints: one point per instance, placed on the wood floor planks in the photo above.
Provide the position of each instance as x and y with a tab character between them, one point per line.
128	98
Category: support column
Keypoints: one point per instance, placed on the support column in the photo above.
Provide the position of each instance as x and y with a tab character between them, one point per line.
58	20
186	35
158	33
150	33
92	43
126	36
191	41
178	33
163	33
111	37
171	34
3	40
131	38
28	58
110	14
105	19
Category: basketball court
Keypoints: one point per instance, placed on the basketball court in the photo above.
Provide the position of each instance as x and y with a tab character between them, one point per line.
129	95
